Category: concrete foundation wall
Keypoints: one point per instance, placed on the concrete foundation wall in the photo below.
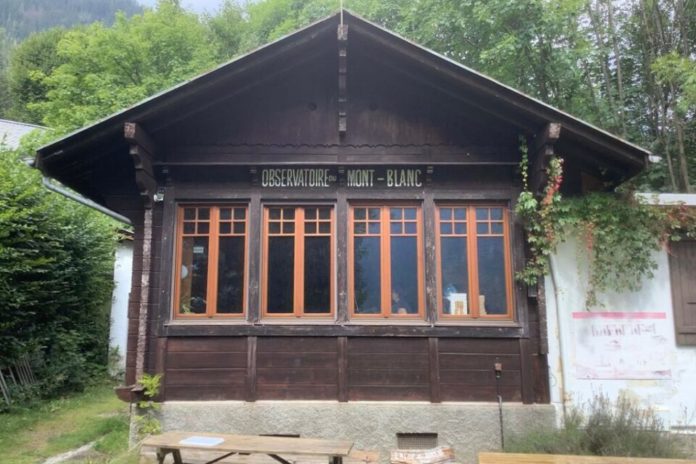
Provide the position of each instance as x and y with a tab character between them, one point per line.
468	427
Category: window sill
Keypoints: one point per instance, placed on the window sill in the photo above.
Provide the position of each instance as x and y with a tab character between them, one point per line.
477	323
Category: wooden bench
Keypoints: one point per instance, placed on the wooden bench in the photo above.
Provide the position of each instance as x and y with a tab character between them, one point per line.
249	449
523	458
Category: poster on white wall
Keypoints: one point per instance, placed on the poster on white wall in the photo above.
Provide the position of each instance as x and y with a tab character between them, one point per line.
621	345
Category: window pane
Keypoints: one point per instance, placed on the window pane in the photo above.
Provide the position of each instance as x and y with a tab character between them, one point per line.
497	214
203	227
482	214
446	214
367	287
460	228
324	213
324	227
359	228
225	214
203	214
404	275
239	227
239	213
373	227
359	213
317	275
288	213
455	276
310	228
230	297
410	214
373	214
410	228
281	260
274	227
396	228
310	213
395	213
189	227
491	264
225	227
446	228
194	275
274	213
189	214
497	227
288	227
482	228
460	214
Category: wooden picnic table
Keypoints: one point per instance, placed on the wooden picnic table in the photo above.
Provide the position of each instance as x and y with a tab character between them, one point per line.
275	447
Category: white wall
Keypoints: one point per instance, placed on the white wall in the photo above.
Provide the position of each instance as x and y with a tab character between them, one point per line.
673	397
118	334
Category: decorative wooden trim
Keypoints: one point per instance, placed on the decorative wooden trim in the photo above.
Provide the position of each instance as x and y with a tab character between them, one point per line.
342	34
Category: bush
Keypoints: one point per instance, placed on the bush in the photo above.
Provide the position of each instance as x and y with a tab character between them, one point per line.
56	278
603	428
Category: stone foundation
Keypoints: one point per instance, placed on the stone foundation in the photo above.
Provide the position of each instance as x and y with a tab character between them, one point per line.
467	427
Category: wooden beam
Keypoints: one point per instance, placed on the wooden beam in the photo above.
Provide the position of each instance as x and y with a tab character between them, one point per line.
342	368
434	365
136	135
342	79
142	151
541	154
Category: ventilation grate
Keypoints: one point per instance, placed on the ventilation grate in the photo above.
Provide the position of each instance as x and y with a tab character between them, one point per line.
416	440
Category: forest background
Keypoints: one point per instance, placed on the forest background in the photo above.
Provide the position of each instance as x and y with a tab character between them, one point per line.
627	66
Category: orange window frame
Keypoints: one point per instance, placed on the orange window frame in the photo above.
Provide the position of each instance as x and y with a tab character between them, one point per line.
299	235
385	260
472	259
214	236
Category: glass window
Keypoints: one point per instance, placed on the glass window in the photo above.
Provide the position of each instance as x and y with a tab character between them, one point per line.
475	278
298	261
211	261
386	265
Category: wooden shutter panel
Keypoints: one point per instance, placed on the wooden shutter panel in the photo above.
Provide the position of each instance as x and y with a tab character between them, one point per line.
682	263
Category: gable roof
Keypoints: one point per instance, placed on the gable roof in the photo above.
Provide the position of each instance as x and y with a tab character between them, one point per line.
527	113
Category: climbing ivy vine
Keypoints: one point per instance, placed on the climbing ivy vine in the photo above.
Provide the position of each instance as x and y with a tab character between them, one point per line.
618	231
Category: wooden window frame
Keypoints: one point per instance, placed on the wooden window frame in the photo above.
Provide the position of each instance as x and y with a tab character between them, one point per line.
472	261
385	262
298	282
213	256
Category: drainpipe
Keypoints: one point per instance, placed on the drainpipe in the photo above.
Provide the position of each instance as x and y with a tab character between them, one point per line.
561	344
85	201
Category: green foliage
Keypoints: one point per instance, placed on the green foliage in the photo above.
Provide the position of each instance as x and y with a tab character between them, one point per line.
105	69
602	428
56	264
32	61
146	420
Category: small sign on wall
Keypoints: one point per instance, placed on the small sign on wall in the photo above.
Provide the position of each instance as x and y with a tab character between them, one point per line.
621	345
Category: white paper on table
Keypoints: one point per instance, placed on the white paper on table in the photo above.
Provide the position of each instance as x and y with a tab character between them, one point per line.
201	441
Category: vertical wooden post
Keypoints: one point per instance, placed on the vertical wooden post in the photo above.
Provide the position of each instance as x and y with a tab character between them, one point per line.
342	369
254	248
526	372
144	294
430	258
434	364
251	369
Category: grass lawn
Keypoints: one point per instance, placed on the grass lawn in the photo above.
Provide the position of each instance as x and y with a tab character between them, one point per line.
30	435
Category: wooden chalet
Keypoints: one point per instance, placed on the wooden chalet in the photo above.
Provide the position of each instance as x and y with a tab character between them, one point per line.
330	217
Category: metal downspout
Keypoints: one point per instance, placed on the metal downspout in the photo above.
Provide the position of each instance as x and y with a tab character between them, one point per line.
561	344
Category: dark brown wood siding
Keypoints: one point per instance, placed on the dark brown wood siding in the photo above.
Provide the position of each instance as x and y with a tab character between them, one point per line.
296	368
206	368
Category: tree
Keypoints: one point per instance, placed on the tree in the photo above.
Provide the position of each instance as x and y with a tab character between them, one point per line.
105	69
31	62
